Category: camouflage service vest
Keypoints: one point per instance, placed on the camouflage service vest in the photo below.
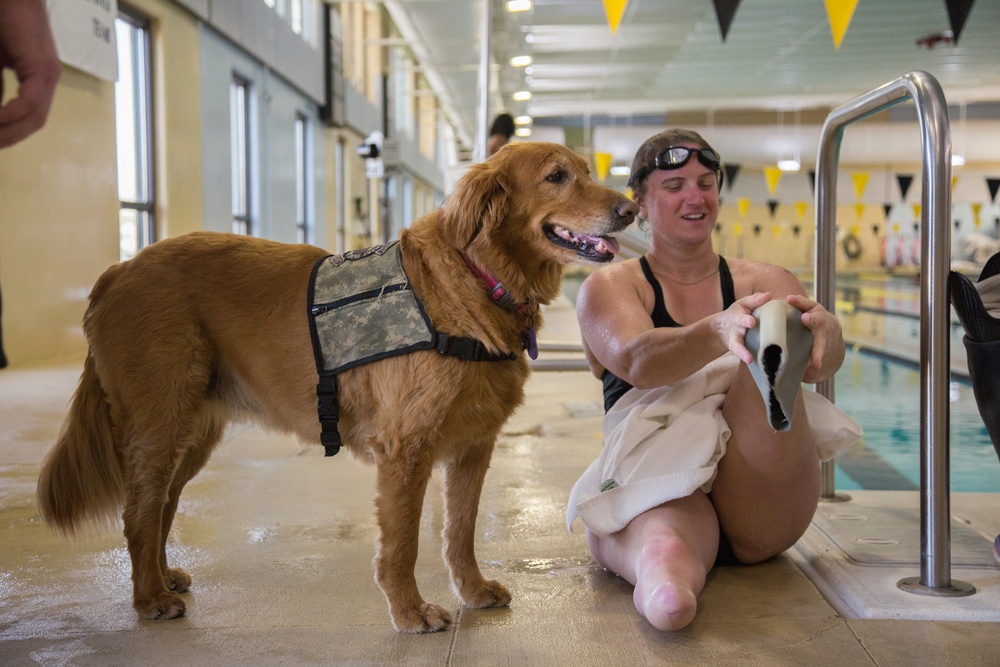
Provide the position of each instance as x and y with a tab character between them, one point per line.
363	309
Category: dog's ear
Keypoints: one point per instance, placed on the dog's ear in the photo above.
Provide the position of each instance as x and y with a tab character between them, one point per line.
480	200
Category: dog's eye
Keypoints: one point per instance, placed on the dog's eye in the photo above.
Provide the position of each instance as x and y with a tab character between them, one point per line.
557	176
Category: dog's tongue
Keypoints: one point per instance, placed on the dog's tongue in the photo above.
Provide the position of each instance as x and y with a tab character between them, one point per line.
603	243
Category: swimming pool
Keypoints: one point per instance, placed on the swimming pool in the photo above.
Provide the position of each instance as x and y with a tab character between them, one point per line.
882	394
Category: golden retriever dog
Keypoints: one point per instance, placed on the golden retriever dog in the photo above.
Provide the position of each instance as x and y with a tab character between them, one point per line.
202	329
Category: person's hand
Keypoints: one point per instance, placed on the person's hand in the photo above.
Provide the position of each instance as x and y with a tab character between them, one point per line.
28	48
734	322
828	341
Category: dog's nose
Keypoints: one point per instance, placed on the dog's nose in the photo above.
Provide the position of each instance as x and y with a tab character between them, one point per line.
626	211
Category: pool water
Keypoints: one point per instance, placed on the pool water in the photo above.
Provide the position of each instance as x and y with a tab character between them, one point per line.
883	396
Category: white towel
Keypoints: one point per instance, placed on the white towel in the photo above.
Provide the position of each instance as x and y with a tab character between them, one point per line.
661	444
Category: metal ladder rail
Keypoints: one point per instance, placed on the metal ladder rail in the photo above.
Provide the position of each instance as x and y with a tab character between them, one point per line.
935	256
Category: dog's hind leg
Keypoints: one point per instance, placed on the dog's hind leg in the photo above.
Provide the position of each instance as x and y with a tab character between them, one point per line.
463	483
401	483
175	578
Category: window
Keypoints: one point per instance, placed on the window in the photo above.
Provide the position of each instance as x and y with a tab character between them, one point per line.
134	135
239	130
302	177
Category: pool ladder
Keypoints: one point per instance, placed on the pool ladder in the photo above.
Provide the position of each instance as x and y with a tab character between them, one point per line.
935	257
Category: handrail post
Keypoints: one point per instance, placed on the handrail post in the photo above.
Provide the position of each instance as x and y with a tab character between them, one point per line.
935	258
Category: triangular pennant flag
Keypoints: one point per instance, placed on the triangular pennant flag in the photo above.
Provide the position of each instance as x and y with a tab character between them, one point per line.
958	11
756	230
732	171
916	212
744	205
904	184
614	9
954	182
603	163
796	229
888	209
860	182
993	184
839	12
976	210
773	175
875	229
800	209
718	227
812	180
772	205
738	230
776	230
859	210
724	11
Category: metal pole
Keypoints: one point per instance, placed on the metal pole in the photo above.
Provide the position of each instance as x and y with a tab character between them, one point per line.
932	111
484	81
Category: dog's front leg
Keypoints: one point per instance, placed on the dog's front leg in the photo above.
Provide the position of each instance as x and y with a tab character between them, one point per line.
398	504
463	484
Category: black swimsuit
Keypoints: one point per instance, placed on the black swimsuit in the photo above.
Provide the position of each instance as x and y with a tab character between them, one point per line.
614	386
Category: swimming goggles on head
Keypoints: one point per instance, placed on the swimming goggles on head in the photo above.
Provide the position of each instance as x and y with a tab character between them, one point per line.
675	157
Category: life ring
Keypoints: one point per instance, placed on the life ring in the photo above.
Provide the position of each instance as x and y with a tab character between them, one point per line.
852	246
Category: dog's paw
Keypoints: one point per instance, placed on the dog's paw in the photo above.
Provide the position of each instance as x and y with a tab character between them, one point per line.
488	594
163	606
428	617
177	579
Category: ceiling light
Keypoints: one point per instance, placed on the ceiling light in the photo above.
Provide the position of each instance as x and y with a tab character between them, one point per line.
523	131
957	160
789	165
521	96
522	120
620	170
518	6
520	61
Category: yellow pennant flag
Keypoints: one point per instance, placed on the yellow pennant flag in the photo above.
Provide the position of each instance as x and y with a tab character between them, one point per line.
603	163
773	175
614	9
800	209
776	230
976	220
738	229
744	205
916	211
859	210
840	13
954	182
860	182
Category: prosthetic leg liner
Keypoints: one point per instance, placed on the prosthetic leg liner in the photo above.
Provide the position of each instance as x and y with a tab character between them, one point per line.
781	346
978	308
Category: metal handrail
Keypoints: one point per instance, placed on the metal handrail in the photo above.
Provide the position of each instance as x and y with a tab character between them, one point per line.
935	254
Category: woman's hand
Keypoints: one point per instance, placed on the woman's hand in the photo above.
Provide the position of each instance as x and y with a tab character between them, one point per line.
828	341
733	323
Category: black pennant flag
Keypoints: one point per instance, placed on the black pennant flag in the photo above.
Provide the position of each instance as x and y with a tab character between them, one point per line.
994	185
887	208
732	171
772	204
725	10
812	181
958	11
904	184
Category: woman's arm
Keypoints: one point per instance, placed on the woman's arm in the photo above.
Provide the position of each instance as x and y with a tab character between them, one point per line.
619	335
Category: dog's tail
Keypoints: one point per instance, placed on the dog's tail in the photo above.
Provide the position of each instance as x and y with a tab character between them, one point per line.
82	477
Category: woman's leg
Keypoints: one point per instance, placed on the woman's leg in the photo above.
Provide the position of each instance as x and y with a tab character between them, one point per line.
767	487
666	554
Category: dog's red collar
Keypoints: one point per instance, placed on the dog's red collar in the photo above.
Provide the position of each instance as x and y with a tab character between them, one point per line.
497	291
499	295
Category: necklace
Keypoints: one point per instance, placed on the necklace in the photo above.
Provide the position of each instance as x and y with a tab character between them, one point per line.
694	282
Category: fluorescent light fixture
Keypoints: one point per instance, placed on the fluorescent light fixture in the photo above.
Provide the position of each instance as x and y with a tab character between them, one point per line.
523	131
521	96
789	165
522	120
620	170
520	61
518	6
957	160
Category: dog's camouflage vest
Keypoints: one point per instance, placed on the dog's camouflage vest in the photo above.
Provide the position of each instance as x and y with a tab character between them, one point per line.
362	309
